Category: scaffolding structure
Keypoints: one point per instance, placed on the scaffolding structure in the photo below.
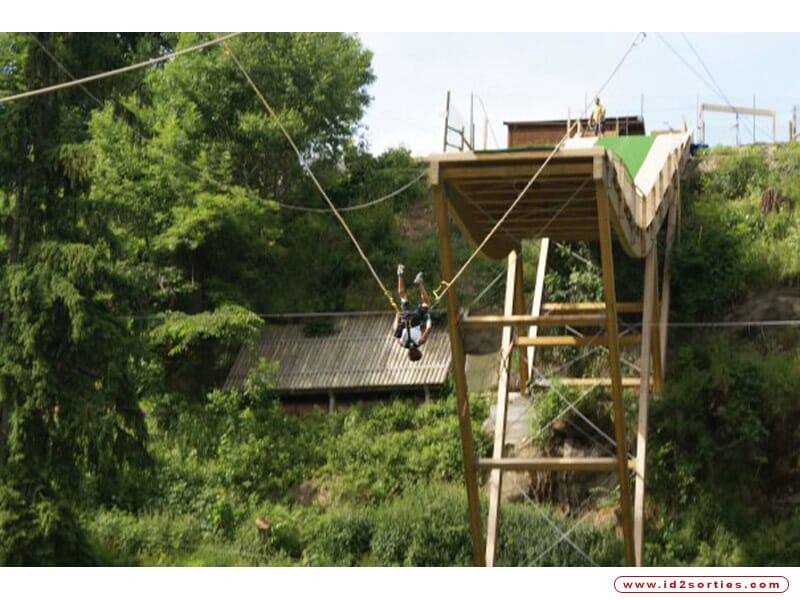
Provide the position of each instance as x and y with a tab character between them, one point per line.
581	194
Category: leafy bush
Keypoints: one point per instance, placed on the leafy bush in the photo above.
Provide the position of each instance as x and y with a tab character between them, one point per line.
37	530
341	538
740	172
378	452
427	526
712	265
149	538
527	538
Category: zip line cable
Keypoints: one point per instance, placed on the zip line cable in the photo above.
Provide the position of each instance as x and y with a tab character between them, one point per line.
313	178
714	87
147	63
686	63
213	181
444	286
705	68
397	192
65	69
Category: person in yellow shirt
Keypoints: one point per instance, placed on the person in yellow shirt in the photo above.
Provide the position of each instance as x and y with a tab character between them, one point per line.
597	117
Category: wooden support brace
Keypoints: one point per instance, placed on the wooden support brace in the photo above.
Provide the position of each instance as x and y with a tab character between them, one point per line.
460	378
496	475
614	359
650	278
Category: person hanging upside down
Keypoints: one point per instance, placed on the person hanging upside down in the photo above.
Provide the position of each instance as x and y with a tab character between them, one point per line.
407	328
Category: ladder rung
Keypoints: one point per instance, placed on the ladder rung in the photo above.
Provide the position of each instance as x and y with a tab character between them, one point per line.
581	320
576	307
549	464
552	463
629	382
574	340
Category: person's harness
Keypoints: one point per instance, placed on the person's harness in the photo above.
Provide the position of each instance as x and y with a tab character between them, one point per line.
409	343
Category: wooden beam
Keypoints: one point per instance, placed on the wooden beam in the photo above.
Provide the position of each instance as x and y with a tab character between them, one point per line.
496	475
582	320
449	173
460	378
759	112
627	382
547	463
650	278
555	341
609	290
517	155
577	307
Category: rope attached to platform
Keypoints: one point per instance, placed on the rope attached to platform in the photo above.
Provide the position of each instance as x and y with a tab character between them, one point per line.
310	173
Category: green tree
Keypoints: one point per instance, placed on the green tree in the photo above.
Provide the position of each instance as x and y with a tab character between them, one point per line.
70	422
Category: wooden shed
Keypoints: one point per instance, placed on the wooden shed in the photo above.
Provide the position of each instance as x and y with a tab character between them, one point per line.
534	133
332	353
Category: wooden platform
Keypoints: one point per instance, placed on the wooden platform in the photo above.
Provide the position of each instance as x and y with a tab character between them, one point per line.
562	203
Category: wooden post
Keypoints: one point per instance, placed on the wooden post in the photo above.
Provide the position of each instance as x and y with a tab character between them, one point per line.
496	475
446	121
460	378
331	401
538	293
672	219
650	279
607	259
519	308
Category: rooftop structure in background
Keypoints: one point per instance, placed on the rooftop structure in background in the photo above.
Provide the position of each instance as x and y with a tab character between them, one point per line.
531	133
342	352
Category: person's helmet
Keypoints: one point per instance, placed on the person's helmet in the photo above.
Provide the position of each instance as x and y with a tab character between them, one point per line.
414	354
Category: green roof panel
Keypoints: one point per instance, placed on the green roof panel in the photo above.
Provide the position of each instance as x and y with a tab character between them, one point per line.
632	149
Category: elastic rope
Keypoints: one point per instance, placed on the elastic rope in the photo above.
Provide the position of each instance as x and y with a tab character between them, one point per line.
357	206
309	172
640	37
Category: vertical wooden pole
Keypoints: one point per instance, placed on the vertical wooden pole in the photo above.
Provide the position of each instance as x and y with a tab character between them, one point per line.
672	219
650	268
655	339
607	259
460	377
496	475
519	309
538	294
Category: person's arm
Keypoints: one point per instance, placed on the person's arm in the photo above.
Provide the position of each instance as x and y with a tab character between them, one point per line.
428	326
395	325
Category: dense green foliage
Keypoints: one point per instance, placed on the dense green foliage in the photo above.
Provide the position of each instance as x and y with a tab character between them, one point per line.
147	221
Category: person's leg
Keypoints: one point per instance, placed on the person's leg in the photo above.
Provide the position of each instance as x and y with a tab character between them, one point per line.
423	295
401	286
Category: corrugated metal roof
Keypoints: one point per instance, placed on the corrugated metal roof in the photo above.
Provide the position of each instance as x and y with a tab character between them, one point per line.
359	355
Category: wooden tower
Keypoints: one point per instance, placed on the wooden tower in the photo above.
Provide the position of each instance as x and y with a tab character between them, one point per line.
583	193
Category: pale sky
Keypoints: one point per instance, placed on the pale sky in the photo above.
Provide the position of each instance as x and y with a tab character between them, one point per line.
529	76
518	76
